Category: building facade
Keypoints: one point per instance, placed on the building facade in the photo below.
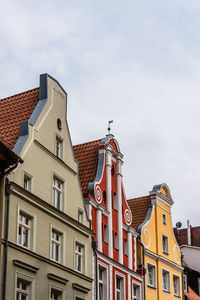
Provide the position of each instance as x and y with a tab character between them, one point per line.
49	254
162	256
116	272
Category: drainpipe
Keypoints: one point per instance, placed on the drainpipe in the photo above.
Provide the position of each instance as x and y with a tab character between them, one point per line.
5	254
143	269
94	247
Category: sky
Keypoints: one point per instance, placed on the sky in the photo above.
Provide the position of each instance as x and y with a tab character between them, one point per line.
134	62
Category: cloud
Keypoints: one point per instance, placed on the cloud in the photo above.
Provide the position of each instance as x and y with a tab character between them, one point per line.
136	62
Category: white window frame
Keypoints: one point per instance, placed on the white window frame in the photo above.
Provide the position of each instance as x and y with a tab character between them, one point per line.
61	244
28	179
168	287
138	285
80	255
30	283
80	216
122	291
104	281
56	190
58	147
165	237
32	227
56	289
175	276
154	275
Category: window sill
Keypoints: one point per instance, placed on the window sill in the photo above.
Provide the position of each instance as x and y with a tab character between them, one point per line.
151	286
167	291
166	253
177	296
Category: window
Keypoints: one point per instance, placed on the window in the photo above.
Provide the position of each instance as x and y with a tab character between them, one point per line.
55	294
59	147
116	241
56	239
176	284
126	247
136	292
80	216
165	244
166	281
79	256
22	290
115	202
57	193
106	234
119	288
24	229
27	182
185	283
151	275
102	283
164	219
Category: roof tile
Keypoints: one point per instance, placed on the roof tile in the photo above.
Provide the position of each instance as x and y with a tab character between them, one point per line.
13	111
139	207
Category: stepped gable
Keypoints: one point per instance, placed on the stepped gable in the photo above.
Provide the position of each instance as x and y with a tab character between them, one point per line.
14	110
87	156
139	207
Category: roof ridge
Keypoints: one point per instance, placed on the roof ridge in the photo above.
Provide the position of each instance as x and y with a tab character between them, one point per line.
137	198
90	142
19	93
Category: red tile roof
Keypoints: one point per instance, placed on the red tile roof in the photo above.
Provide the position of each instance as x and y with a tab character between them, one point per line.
139	207
181	236
13	111
87	156
191	295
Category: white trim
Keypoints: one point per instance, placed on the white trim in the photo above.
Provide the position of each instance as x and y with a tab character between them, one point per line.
166	239
56	288
134	282
62	244
179	284
33	226
119	216
109	200
99	229
84	257
130	250
135	254
166	270
155	275
29	279
105	267
122	277
178	249
144	231
115	264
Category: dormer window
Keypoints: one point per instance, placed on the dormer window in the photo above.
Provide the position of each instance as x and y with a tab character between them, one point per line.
59	147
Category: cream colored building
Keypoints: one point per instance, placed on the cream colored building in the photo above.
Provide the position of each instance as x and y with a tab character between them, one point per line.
49	237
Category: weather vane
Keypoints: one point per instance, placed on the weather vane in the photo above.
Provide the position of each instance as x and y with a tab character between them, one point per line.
109	122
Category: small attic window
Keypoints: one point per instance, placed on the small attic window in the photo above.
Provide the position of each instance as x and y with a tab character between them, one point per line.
59	124
113	171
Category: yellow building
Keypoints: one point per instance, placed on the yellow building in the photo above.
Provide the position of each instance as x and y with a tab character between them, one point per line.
162	257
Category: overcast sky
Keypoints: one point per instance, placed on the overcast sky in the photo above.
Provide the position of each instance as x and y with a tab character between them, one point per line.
136	62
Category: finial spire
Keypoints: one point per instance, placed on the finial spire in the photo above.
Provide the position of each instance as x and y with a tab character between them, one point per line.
109	122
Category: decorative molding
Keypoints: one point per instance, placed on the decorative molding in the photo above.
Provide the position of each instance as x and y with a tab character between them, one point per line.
80	288
25	266
144	232
57	278
178	250
49	261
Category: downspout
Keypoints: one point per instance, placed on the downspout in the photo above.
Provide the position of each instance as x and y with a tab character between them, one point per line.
143	270
94	247
5	254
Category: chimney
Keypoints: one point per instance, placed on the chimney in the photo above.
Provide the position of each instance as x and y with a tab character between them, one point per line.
188	232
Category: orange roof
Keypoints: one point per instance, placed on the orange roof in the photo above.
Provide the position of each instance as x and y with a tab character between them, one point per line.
191	295
139	207
13	111
87	156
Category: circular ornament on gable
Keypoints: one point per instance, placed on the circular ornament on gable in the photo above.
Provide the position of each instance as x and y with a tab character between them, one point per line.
146	239
128	217
98	194
176	254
